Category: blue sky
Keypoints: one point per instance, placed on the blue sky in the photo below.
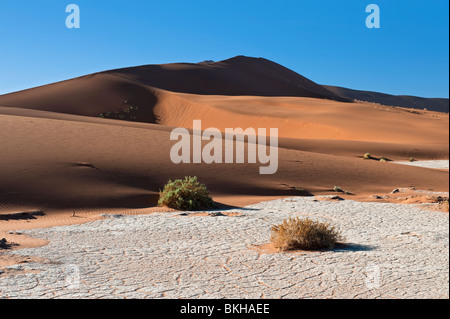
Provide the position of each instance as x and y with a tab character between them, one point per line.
324	40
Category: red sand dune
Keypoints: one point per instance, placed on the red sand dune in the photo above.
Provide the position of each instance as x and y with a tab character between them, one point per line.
117	89
57	153
416	102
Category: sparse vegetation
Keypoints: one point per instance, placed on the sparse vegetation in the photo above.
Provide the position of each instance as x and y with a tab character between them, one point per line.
383	159
412	159
4	244
443	203
187	194
340	190
367	156
128	114
296	233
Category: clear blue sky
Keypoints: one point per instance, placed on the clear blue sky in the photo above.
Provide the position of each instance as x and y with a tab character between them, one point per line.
324	40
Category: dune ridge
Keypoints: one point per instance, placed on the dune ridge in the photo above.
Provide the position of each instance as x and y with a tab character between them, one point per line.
415	102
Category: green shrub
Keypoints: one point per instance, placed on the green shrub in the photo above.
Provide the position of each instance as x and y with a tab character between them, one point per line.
187	194
338	189
128	114
367	156
296	233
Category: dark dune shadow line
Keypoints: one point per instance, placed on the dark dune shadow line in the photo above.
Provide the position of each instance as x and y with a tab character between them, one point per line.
222	206
21	215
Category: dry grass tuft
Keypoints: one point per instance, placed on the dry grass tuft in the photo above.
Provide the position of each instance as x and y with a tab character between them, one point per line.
296	233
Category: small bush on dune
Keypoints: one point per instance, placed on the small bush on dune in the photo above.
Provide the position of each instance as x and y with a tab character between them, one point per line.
339	189
129	114
367	156
296	233
187	194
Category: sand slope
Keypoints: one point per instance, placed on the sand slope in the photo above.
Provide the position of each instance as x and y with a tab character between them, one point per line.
116	89
416	102
236	76
305	118
57	153
63	161
295	117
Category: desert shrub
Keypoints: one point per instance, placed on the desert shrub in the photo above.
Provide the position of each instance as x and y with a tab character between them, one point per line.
338	189
3	243
383	159
128	114
367	156
187	194
296	233
412	159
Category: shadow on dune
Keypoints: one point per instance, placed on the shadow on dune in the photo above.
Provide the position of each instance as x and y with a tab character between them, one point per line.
132	201
21	215
297	191
222	206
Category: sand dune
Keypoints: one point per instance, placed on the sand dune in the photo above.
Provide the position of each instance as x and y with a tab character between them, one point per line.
236	76
416	102
305	118
65	163
57	153
90	95
295	117
118	89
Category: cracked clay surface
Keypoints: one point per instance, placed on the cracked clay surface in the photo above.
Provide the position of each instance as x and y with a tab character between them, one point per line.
391	251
